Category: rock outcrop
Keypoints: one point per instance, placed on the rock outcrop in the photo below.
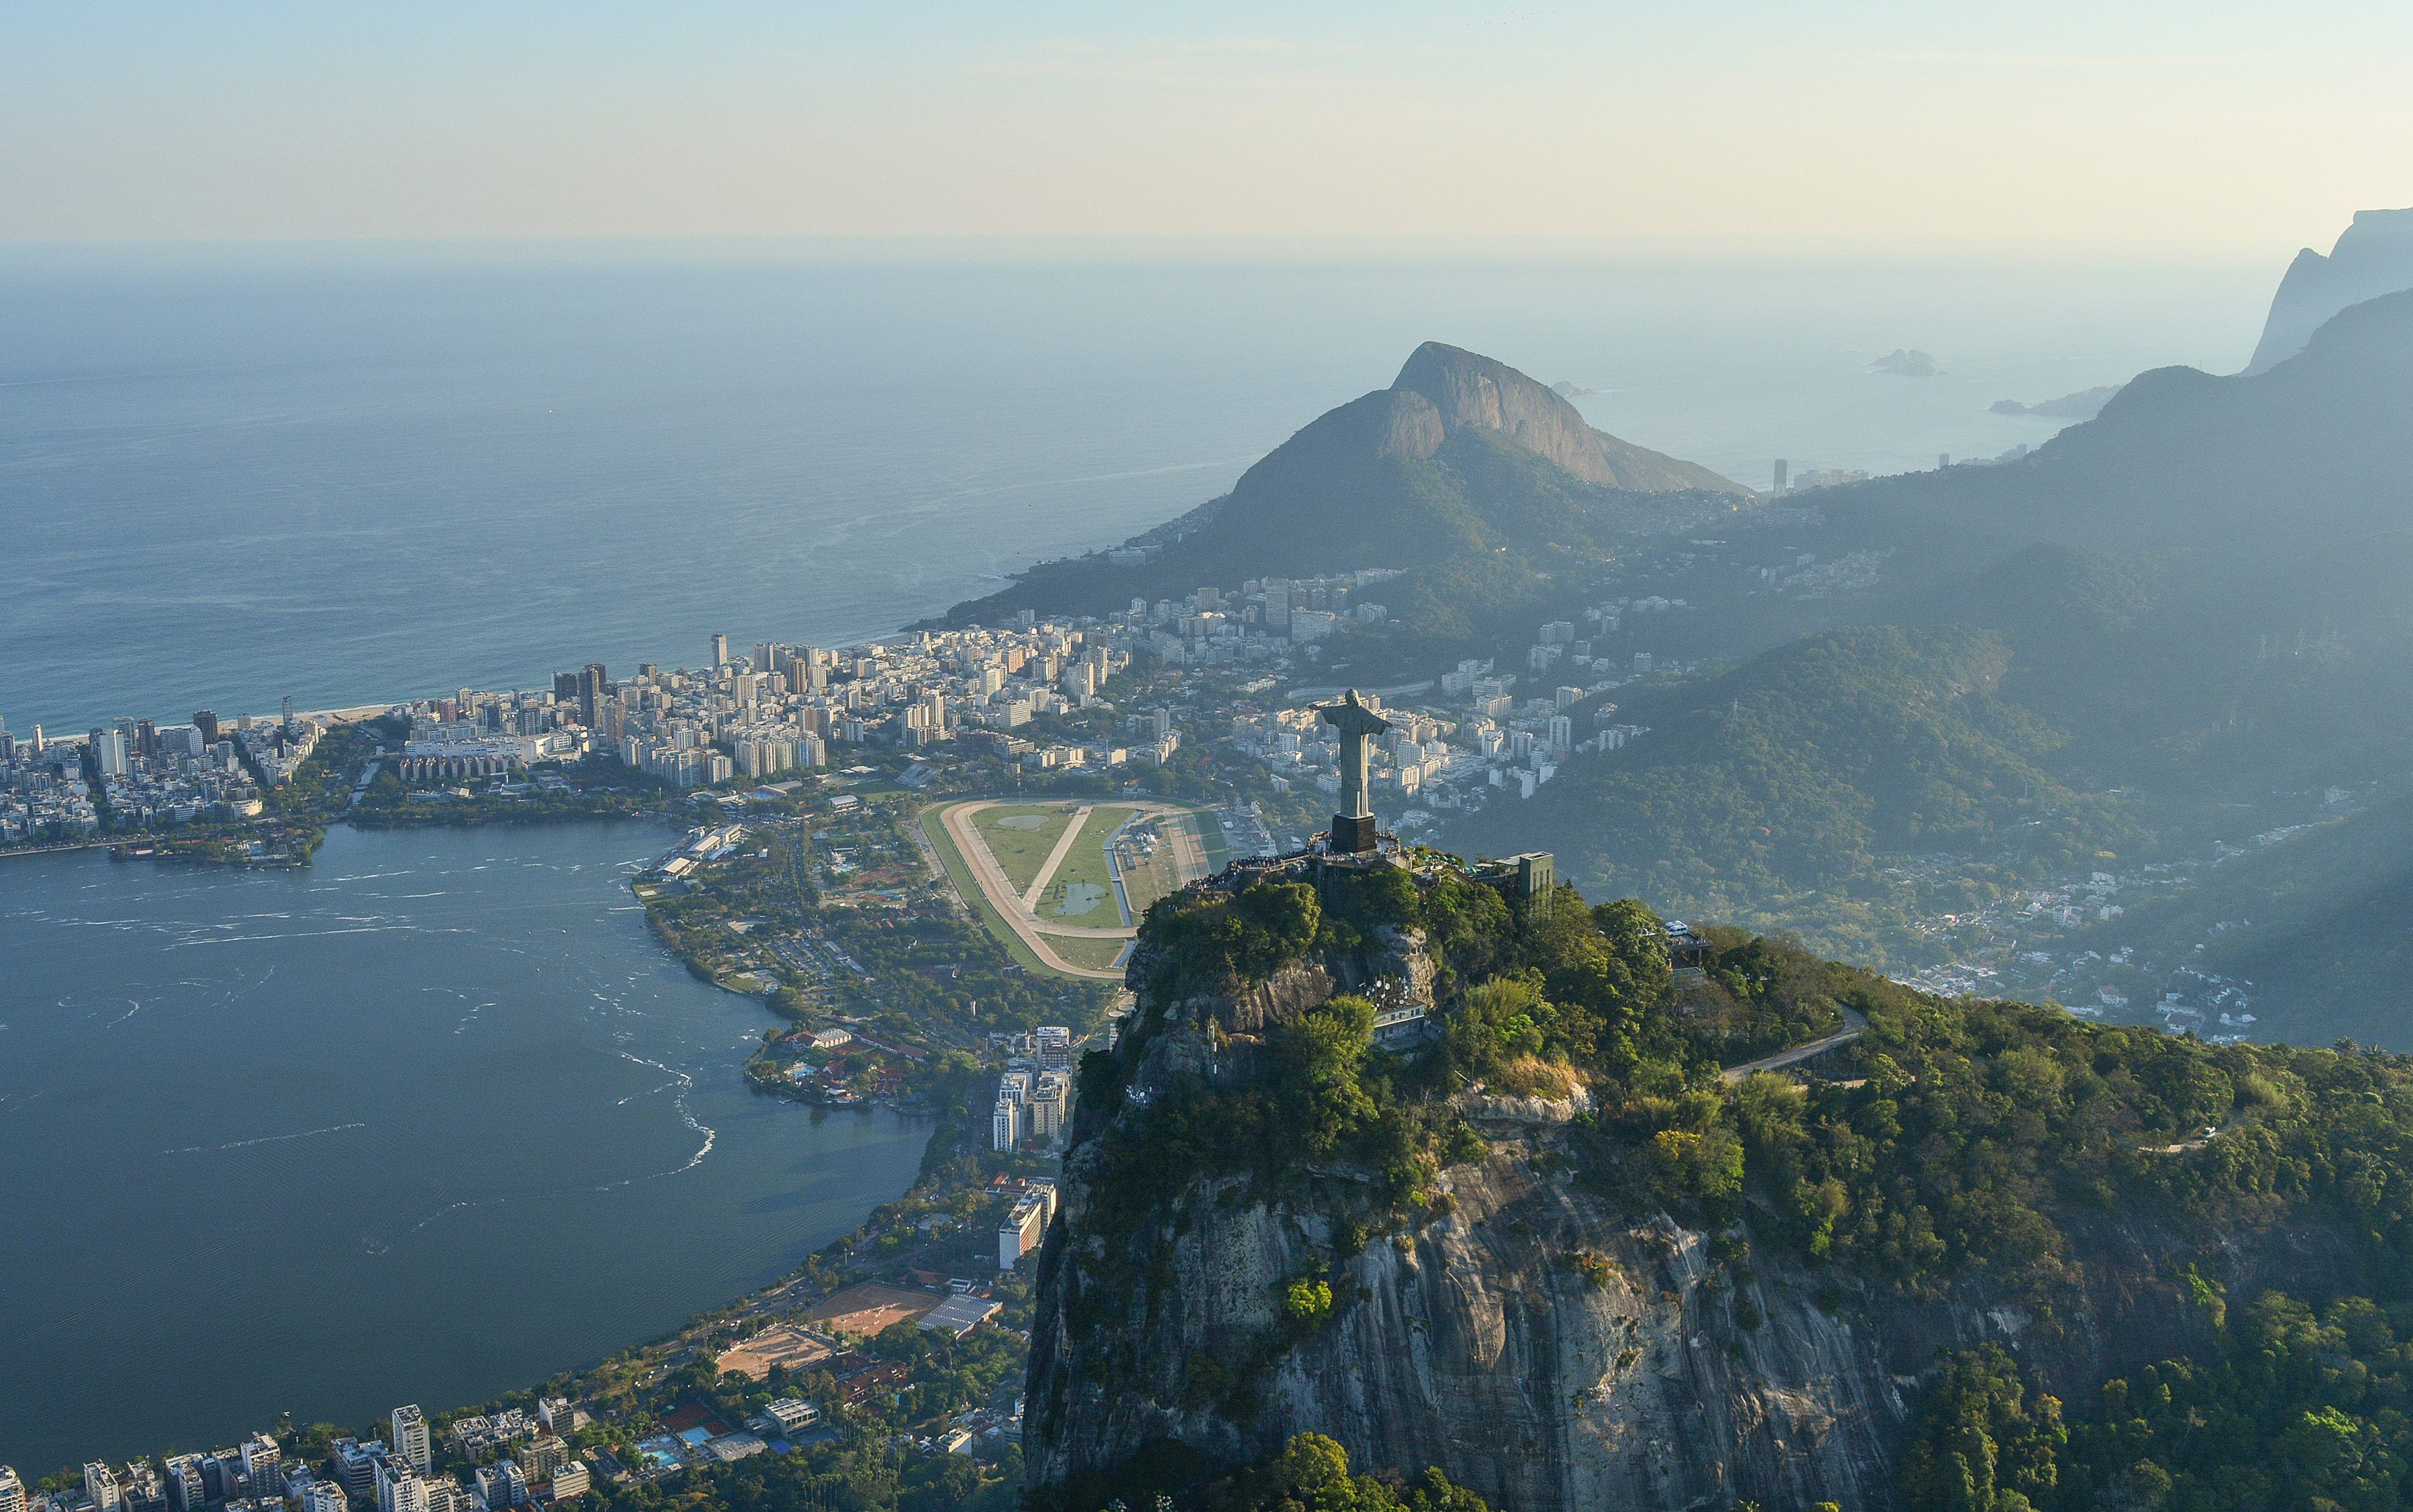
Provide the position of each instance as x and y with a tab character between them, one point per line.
2373	257
1549	1350
1460	457
1464	390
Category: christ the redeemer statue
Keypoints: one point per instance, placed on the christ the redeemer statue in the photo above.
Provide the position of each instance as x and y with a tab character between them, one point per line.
1353	827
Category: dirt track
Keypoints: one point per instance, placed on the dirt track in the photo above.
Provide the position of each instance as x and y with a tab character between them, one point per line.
1019	908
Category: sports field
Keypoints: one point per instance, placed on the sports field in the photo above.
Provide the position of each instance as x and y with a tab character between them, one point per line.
1022	837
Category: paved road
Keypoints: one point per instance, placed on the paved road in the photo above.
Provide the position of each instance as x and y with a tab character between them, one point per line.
1853	1025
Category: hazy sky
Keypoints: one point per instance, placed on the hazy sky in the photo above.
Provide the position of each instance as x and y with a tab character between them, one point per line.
2253	125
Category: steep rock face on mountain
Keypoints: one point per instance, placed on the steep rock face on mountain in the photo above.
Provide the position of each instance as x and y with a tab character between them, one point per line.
1467	389
1538	1240
1459	458
1390	474
1397	958
2373	257
1543	1347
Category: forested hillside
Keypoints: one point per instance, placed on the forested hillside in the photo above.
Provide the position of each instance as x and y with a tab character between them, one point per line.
2056	713
1797	782
2087	1202
2317	924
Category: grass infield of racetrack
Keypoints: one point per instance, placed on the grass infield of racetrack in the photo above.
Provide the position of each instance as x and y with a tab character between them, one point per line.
1074	950
1020	853
1086	863
960	873
1097	955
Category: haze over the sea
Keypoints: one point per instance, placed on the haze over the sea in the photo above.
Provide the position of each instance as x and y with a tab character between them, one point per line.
366	472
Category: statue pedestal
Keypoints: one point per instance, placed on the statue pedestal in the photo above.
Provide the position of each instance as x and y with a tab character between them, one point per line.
1353	837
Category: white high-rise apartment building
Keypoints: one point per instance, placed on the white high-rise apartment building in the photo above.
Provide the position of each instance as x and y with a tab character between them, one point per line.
398	1485
186	1492
12	1491
1054	1043
260	1457
100	1488
325	1496
411	1437
109	752
1005	1124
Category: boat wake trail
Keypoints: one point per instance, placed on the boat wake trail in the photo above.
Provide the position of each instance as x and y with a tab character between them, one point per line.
266	1139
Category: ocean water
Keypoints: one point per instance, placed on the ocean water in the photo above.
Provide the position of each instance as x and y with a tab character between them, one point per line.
423	1123
358	474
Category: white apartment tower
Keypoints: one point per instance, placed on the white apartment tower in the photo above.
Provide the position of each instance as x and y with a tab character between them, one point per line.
398	1485
186	1492
100	1488
260	1457
411	1437
12	1491
1054	1043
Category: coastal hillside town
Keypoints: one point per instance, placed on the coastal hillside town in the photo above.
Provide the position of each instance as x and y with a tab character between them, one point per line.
801	873
740	718
1212	699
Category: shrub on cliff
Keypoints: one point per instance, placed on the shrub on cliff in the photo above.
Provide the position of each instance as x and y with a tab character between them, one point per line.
1306	1302
1980	1125
2301	1410
1979	1443
1311	1473
1206	942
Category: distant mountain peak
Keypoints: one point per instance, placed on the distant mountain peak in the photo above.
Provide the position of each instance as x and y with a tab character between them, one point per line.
1468	389
2373	257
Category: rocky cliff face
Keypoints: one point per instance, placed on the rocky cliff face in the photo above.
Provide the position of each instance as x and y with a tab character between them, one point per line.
1443	390
1466	390
1542	1343
2373	257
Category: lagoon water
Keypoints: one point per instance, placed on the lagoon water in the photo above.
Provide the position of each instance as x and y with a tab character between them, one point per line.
358	474
425	1121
